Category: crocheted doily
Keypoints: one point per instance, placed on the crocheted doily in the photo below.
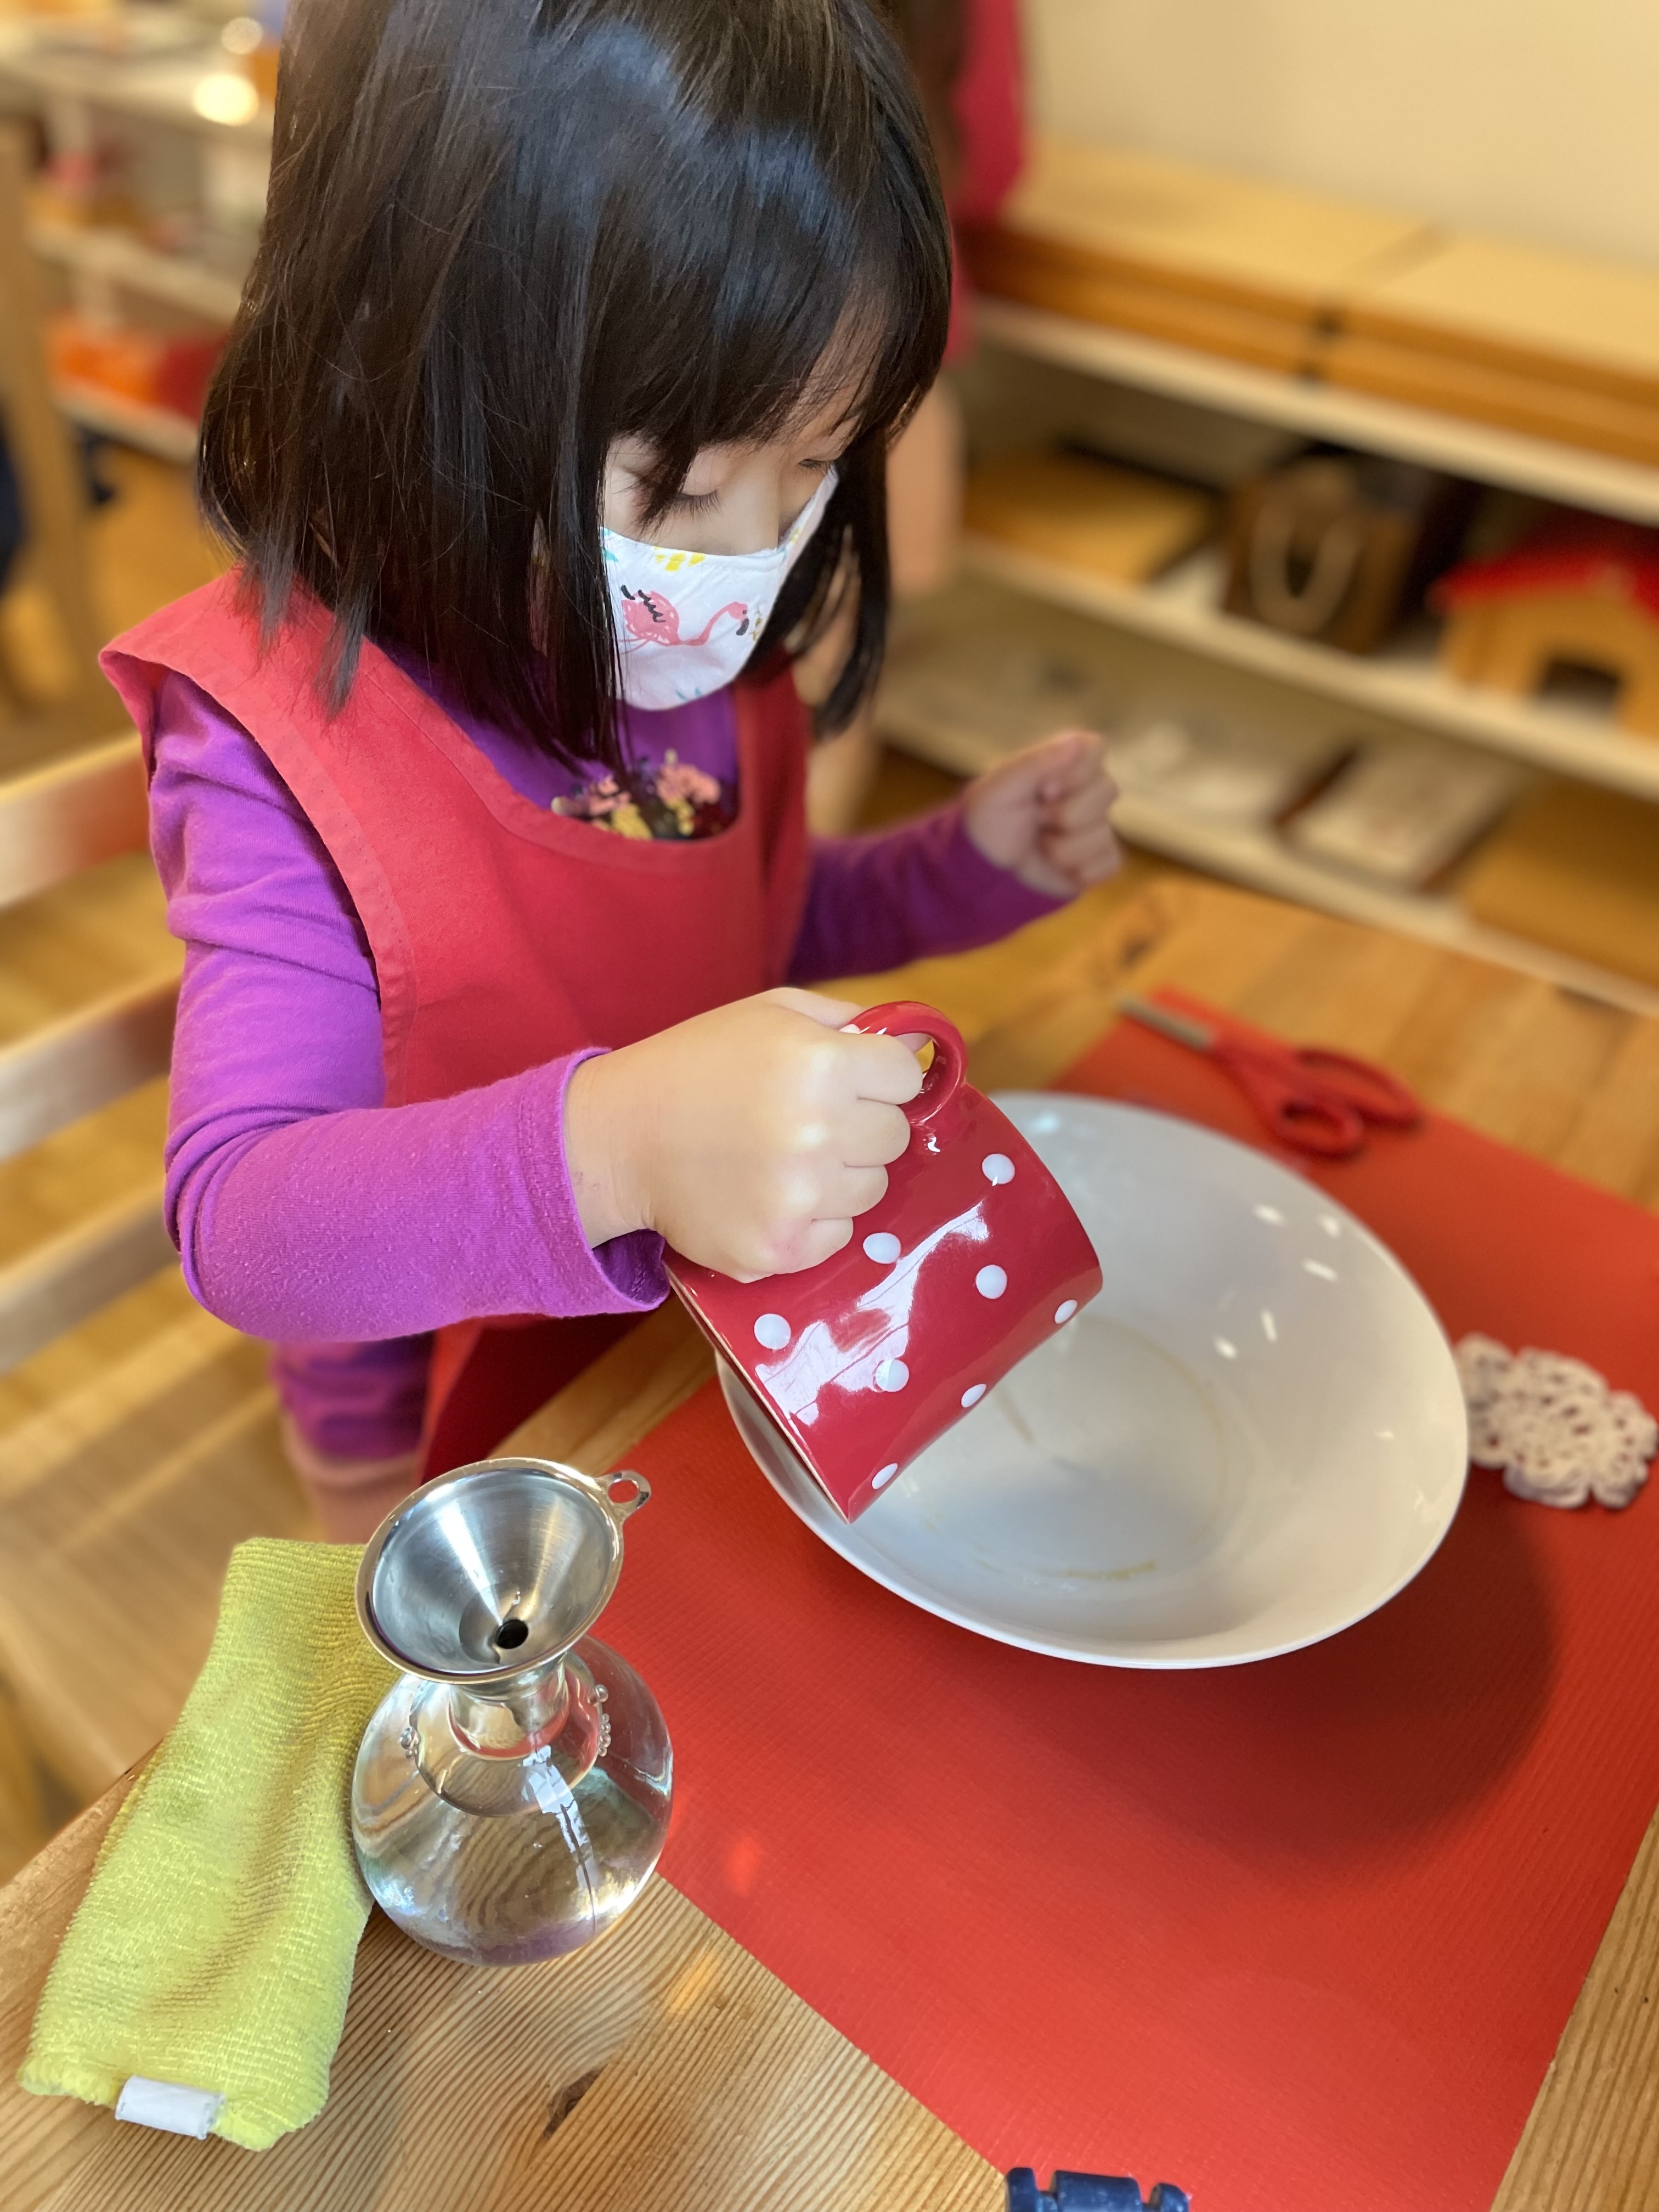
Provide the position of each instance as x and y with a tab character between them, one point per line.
1553	1426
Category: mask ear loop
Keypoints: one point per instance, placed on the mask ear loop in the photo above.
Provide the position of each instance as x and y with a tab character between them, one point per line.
801	529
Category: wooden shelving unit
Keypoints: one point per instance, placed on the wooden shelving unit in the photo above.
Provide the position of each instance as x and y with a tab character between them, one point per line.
1263	861
159	82
119	259
1400	695
155	431
1569	473
168	74
1181	608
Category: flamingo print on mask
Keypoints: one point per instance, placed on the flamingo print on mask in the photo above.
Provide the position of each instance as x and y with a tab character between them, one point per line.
654	620
721	604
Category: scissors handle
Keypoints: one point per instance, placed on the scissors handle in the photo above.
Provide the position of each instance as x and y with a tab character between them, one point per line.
1304	1113
1375	1095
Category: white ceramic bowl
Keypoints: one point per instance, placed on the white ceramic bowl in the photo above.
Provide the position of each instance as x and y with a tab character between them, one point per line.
1253	1437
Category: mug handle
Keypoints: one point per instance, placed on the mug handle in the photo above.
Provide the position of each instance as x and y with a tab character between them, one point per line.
909	1018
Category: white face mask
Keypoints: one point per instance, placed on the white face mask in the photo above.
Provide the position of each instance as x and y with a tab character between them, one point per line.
686	622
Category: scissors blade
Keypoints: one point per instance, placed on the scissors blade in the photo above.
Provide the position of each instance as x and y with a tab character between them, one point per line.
1199	1036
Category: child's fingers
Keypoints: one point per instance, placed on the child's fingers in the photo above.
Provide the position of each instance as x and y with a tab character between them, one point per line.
1069	762
885	1069
872	1136
854	1191
816	1005
1085	855
1079	808
818	1241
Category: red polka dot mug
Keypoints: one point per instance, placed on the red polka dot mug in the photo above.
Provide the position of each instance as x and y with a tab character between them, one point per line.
971	1259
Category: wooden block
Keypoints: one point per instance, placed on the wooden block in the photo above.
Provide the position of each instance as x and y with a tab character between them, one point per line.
1576	868
1068	281
1113	521
1424	375
1259	247
1512	643
1525	312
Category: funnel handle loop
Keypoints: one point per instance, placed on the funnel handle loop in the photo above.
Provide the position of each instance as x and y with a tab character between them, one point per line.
626	1491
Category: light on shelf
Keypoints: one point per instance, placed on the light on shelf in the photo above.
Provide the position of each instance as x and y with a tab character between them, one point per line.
225	97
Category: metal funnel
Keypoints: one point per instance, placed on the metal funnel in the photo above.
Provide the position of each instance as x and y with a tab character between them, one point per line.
494	1571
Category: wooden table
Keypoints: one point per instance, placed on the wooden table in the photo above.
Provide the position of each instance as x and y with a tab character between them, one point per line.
668	2072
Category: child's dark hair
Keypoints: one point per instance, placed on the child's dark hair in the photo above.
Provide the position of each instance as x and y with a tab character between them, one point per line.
501	235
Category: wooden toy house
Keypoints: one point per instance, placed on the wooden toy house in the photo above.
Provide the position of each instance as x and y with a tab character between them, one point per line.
1582	591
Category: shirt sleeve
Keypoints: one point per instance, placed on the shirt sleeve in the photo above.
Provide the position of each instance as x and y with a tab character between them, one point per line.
876	902
989	100
304	1208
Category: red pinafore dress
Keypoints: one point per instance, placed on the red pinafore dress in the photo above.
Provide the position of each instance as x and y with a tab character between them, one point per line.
502	935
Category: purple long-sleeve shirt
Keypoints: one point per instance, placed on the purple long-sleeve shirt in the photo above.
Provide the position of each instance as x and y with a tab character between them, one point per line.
308	1211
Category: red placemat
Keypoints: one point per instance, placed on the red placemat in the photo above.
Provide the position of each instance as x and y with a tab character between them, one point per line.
1300	1933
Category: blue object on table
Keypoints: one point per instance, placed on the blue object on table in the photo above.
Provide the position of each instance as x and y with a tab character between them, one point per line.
1090	2192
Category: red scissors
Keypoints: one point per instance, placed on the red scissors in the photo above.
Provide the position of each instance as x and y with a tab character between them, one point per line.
1317	1100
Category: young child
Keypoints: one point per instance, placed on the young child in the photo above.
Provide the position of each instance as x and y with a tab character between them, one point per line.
553	426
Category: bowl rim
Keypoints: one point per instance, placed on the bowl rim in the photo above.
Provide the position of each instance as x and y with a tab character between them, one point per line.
843	1537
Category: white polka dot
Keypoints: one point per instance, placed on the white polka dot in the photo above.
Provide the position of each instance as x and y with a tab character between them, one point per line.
972	1394
991	1282
773	1331
1227	1351
1063	1313
892	1375
880	1481
883	1246
998	1167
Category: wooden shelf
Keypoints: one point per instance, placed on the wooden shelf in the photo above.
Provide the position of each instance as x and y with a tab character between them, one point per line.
122	259
1573	473
1262	862
162	85
153	429
1181	608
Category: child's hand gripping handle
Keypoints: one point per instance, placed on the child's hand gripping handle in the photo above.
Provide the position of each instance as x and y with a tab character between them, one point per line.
907	1018
751	1138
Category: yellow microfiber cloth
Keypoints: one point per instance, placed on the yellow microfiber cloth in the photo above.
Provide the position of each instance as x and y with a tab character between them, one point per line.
214	1946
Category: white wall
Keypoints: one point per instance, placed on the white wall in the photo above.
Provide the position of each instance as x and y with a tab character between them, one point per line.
1536	118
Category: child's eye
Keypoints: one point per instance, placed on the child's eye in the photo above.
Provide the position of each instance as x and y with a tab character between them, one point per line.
694	503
